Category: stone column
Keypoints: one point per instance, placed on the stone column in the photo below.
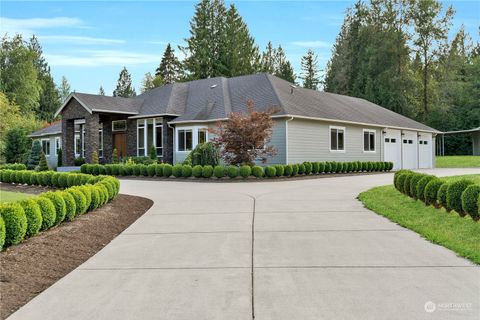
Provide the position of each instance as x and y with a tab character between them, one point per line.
167	141
107	140
91	136
132	137
68	142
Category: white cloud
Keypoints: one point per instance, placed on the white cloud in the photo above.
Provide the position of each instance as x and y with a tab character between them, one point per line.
312	44
159	42
80	40
29	26
95	58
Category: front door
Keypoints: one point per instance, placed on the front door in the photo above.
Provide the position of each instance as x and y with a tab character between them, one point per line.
120	143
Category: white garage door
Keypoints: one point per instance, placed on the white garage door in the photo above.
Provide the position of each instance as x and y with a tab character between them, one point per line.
425	152
392	152
409	150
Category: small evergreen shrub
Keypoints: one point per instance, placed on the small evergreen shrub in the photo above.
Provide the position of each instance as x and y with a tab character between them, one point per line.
232	171
115	159
245	171
401	181
129	169
167	170
270	171
94	157
26	176
42	165
80	201
288	170
454	195
177	170
431	191
219	171
308	167
71	179
442	196
280	170
421	185
70	206
315	167
151	169
95	197
143	170
159	170
59	203
207	171
257	171
301	168
15	223
413	184
33	215
62	180
54	180
102	189
137	170
470	198
197	171
328	167
321	167
88	195
407	184
186	171
2	232
294	169
47	208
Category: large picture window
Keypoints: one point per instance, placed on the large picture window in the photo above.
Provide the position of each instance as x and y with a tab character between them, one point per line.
188	138
185	141
369	140
46	146
79	140
337	139
149	134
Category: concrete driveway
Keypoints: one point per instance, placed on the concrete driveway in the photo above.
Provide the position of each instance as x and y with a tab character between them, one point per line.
304	249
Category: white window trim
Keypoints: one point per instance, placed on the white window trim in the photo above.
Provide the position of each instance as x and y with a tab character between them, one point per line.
195	130
58	142
115	121
344	139
145	136
49	147
155	126
100	147
374	140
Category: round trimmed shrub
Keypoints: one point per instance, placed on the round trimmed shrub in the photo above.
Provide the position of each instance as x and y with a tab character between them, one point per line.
70	179
129	169
257	171
470	198
321	167
88	194
270	171
442	196
245	171
63	180
143	170
54	180
421	185
219	171
2	232
79	180
15	223
103	193
232	171
413	184
159	170
95	195
407	184
315	167
84	168
308	167
167	170
301	168
59	203
279	170
151	169
102	169
47	208
122	171
431	191
116	169
401	181
19	177
340	166
26	176
395	178
207	171
33	215
110	189
186	171
108	169
197	171
137	170
177	170
288	170
70	206
294	169
354	166
454	195
80	201
327	167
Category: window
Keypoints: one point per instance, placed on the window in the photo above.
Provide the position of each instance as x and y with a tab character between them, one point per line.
46	146
159	137
80	140
119	125
337	139
185	141
387	139
100	141
202	135
58	144
410	141
369	140
425	142
393	140
149	134
405	141
141	137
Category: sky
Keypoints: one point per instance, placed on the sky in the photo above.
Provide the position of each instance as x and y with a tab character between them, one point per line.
89	42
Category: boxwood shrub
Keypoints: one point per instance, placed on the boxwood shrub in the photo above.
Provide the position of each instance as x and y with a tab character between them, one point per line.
2	232
15	223
197	171
70	206
207	171
219	171
442	196
232	171
454	195
151	170
87	193
470	199
159	170
245	171
257	171
407	184
270	171
420	188
295	169
416	177
59	203
431	191
288	170
33	215
167	170
301	168
47	208
321	167
279	170
308	167
80	201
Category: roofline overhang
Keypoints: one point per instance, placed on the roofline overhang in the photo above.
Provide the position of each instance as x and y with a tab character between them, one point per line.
197	121
140	116
44	134
70	96
116	112
462	131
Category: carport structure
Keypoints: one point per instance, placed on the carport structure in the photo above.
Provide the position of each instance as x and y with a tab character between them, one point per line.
475	133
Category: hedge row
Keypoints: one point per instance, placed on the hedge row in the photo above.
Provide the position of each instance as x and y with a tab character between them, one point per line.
13	166
462	196
81	193
198	171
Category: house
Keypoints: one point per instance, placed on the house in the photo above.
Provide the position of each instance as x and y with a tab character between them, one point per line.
309	125
50	139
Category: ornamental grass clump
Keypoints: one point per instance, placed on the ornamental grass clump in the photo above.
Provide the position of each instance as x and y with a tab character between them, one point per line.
454	195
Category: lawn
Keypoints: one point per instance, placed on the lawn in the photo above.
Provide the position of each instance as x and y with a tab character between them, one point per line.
7	196
461	235
458	162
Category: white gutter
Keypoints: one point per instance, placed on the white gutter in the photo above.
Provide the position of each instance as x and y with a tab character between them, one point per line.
154	115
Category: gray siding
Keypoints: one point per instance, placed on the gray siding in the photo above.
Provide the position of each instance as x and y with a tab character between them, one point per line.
52	158
308	140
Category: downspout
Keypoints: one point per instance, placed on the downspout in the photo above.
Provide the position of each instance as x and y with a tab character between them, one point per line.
401	149
418	150
286	139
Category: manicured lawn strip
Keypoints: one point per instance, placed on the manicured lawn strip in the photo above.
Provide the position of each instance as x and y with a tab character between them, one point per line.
474	177
462	235
458	162
6	196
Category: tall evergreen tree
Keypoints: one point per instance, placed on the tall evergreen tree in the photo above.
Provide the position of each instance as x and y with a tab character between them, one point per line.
267	61
169	68
124	85
64	89
283	67
310	70
101	91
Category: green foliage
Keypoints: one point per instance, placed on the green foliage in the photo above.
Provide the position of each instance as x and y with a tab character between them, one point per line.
308	167
470	199
257	171
288	171
442	196
95	197
431	191
407	183
47	208
87	194
63	180
167	170
159	170
413	184
151	169
70	205
78	161
186	171
153	153
421	185
315	167
204	154
301	168
34	157
59	203
328	167
232	171
197	171
401	181
321	167
124	88
219	171
59	158
94	157
295	169
177	170
80	201
33	215
15	223
270	171
17	145
280	170
454	195
2	232
115	159
207	171
42	165
245	171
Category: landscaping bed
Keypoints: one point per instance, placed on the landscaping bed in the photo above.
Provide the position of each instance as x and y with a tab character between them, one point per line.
35	264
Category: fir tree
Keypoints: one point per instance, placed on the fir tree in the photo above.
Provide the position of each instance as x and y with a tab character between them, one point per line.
65	89
153	153
17	145
283	68
101	91
59	158
267	61
124	85
310	70
169	68
34	157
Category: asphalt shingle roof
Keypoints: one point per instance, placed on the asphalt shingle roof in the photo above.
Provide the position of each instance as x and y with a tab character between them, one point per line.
54	129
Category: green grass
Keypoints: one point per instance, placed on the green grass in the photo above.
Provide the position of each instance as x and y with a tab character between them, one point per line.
7	196
461	235
458	162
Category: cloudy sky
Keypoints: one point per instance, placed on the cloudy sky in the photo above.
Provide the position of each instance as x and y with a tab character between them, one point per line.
89	41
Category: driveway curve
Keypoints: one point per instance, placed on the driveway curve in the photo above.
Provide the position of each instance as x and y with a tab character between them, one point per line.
303	249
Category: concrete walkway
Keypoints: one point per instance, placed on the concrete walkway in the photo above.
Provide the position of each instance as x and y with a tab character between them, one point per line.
304	249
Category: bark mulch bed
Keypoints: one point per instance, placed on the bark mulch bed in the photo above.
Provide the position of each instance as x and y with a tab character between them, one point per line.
32	266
